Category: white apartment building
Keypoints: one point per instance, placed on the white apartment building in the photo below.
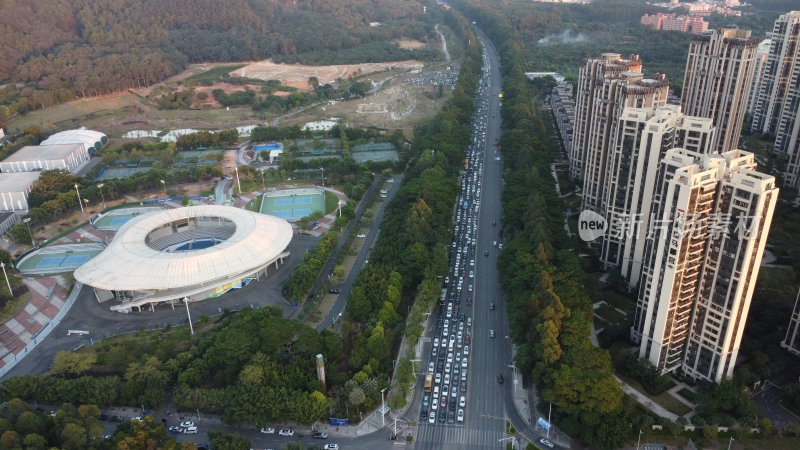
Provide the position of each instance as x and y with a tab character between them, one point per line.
642	138
762	55
776	109
713	214
719	74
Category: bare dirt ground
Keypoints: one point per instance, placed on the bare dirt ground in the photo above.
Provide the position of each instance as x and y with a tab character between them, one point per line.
409	44
297	75
397	105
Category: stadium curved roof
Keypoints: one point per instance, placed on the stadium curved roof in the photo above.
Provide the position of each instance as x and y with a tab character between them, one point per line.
130	264
89	138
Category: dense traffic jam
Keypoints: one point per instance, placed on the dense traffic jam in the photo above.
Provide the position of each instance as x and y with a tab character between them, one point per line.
445	387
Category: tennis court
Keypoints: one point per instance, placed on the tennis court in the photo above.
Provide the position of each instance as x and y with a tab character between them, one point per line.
293	204
114	219
58	258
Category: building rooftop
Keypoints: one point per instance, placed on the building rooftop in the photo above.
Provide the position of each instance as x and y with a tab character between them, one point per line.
43	152
18	181
89	138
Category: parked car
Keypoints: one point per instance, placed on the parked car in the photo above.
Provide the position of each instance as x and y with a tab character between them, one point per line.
175	429
334	290
190	430
320	435
288	432
187	424
268	430
331	447
546	443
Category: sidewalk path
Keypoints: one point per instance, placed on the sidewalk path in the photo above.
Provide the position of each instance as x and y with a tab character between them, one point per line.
48	296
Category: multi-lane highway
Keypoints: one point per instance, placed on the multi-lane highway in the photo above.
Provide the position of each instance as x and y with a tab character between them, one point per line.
473	293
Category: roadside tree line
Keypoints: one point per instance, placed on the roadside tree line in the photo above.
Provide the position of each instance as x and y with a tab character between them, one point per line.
410	256
550	312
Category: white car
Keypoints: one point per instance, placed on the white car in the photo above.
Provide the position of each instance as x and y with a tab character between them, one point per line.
186	424
466	350
438	378
286	432
190	430
432	417
464	363
431	366
331	447
546	442
268	430
460	415
462	402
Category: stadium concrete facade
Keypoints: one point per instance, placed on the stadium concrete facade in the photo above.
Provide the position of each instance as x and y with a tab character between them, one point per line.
185	254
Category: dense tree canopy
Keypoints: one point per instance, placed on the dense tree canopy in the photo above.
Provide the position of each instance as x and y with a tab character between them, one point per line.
62	49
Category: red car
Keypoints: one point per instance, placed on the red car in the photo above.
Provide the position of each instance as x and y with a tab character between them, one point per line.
467	340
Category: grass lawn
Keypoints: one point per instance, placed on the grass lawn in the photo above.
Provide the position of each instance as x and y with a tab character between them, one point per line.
667	401
609	314
664	399
331	202
13	307
599	323
688	395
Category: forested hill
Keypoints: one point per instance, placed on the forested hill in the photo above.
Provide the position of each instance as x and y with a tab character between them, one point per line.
67	48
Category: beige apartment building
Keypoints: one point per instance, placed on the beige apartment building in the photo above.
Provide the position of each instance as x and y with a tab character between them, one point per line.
713	214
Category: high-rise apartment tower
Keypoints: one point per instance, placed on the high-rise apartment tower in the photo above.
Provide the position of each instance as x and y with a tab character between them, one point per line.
719	73
606	86
713	213
641	139
776	110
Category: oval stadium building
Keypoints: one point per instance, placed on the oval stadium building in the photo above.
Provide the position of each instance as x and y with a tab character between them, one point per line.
191	253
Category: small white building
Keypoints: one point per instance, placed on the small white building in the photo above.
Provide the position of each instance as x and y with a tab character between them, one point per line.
320	125
14	189
46	157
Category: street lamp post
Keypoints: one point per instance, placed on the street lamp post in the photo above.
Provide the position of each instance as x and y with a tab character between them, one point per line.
639	441
730	442
103	197
80	202
238	182
323	176
263	181
10	292
186	302
164	185
26	221
383	408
